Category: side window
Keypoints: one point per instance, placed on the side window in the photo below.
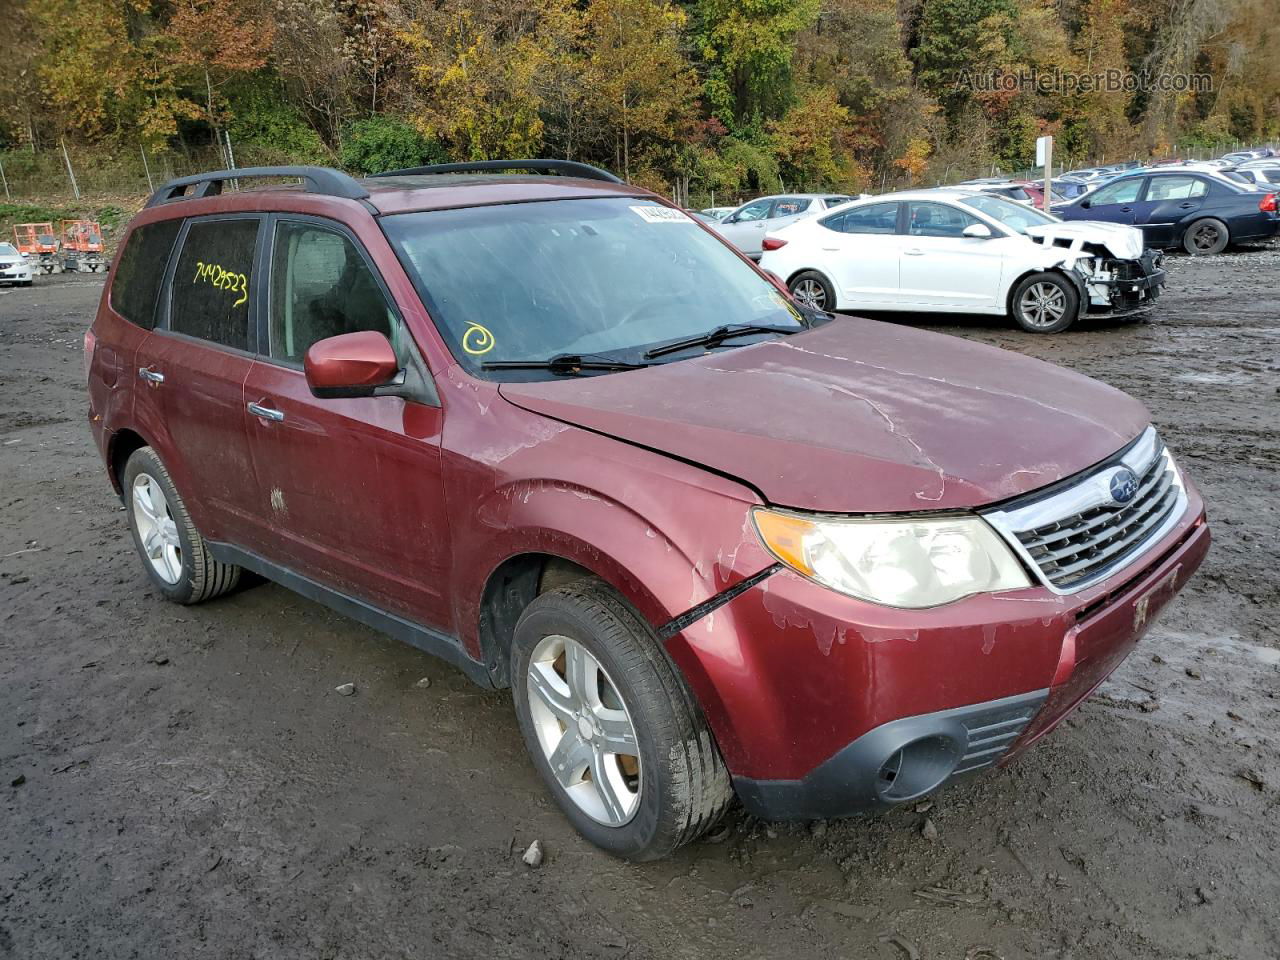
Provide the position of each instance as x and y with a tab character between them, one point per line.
789	207
212	281
1126	191
755	211
936	220
135	284
322	287
1175	188
876	218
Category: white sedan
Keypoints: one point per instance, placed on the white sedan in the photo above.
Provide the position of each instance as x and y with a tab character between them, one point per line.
959	251
14	267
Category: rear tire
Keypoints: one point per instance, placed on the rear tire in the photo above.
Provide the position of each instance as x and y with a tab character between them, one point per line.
675	786
813	290
173	553
1205	237
1044	303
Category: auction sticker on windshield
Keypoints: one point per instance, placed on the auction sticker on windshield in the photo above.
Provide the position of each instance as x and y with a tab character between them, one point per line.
662	215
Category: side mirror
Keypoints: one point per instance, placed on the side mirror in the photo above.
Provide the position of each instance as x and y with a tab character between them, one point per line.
978	231
351	365
1085	204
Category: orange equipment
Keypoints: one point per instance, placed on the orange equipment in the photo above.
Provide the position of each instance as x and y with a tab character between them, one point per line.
36	241
82	245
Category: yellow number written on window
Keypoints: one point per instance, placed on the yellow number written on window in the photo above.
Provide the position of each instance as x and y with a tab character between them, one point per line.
223	279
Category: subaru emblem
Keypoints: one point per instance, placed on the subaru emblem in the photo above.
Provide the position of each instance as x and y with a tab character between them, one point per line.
1124	485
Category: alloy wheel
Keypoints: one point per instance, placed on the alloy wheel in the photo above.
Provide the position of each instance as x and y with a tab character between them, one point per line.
157	531
1205	237
585	730
1043	304
810	293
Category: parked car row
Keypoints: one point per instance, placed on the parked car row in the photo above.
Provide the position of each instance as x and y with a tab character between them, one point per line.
964	251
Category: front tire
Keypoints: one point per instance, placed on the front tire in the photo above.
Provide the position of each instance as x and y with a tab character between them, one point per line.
173	553
813	290
611	726
1206	237
1044	303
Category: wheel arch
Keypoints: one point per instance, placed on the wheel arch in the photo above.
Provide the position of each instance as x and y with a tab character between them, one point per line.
120	448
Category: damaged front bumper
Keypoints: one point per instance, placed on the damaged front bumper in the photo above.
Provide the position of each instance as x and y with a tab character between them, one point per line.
1114	287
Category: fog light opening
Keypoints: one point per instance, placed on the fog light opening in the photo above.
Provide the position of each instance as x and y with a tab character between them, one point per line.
916	768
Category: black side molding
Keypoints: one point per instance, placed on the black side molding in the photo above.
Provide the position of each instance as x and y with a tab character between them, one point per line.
437	644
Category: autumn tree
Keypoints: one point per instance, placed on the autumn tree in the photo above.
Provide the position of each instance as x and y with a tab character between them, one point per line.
644	86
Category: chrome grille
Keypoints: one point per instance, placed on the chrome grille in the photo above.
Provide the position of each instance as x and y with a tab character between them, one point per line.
1081	534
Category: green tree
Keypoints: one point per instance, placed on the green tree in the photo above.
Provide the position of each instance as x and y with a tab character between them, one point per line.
748	46
383	143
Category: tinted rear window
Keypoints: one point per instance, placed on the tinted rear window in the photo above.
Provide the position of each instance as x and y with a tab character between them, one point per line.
212	281
136	282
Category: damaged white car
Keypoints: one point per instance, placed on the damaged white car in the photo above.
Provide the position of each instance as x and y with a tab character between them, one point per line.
959	251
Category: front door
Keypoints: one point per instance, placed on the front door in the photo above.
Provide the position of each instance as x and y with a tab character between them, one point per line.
191	369
1114	203
745	229
350	489
943	267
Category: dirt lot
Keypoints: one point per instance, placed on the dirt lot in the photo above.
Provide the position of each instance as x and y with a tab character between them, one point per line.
185	782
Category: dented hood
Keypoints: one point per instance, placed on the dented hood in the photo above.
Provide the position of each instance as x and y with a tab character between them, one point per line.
1127	243
858	416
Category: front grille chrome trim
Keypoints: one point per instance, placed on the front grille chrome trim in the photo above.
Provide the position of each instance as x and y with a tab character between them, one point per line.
1078	535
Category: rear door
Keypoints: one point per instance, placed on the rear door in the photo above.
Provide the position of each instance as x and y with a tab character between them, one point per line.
941	266
860	249
351	488
787	210
191	371
1169	201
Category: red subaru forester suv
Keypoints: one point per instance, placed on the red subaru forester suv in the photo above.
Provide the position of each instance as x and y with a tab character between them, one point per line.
550	428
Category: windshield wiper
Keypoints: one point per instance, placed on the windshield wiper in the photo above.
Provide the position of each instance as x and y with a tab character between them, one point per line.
566	364
713	338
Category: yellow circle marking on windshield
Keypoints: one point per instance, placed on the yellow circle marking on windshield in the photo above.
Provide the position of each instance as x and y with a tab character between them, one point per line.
477	339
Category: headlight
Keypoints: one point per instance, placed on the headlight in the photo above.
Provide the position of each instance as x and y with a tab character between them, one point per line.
909	563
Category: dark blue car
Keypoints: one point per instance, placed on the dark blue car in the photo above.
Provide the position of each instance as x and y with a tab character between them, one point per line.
1199	212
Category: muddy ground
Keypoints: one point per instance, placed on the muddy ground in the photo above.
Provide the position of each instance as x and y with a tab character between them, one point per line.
185	782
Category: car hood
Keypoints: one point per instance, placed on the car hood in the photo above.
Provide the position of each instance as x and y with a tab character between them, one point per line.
1120	241
858	416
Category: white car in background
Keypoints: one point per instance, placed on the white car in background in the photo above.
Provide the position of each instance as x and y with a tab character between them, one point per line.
961	251
14	267
746	226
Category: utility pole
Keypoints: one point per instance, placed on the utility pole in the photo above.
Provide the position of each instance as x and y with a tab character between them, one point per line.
75	187
151	187
6	182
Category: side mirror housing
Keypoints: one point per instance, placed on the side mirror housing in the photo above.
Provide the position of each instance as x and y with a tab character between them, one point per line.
1085	204
978	231
351	365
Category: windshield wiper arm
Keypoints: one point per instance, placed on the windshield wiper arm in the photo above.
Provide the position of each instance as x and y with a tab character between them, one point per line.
713	338
565	364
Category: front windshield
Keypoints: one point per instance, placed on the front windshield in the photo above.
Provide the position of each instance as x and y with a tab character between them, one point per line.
1015	216
601	277
8	250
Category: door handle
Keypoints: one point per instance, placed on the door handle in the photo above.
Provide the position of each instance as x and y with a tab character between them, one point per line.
1126	209
1186	206
914	252
155	376
266	413
831	249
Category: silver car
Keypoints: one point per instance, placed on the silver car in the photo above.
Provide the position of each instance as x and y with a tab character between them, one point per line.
746	226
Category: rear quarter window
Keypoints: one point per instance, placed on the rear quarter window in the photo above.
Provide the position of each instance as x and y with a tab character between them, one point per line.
212	280
135	284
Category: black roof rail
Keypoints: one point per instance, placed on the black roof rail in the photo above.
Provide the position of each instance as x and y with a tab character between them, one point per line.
569	168
333	183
